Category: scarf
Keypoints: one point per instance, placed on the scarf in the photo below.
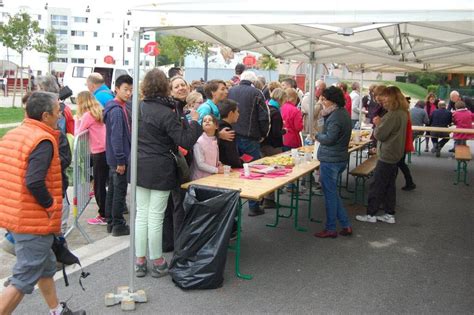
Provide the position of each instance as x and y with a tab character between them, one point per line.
328	110
274	103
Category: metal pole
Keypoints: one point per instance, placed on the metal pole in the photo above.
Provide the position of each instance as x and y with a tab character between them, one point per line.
312	82
133	159
360	94
206	61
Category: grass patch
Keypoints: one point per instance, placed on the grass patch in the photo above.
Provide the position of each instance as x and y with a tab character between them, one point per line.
3	131
414	90
11	115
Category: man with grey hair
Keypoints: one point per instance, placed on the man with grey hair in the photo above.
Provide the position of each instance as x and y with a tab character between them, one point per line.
253	124
356	103
31	210
454	96
96	85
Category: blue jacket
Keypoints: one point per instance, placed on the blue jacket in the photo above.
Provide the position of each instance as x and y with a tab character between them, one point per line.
441	118
208	108
103	95
118	137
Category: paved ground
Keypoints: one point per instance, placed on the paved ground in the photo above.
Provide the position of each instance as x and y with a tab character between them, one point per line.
423	264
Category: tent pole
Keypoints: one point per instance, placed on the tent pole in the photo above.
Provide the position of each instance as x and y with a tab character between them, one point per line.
133	159
127	296
312	62
360	94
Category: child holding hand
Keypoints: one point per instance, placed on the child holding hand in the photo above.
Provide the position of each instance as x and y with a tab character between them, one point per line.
206	151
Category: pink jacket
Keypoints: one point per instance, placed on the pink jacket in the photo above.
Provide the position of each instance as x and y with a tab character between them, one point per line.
293	123
463	118
96	132
206	157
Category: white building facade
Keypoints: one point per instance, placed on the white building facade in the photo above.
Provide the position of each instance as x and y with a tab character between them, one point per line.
83	37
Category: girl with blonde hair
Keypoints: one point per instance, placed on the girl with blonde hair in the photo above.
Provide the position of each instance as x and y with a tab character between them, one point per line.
89	117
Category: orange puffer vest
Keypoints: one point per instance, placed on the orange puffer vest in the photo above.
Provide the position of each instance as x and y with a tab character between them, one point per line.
19	210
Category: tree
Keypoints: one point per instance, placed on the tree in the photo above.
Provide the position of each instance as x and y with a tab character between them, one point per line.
267	62
175	48
20	34
48	46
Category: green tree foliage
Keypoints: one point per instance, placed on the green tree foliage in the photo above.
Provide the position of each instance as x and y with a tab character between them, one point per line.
425	78
175	48
48	46
267	62
20	34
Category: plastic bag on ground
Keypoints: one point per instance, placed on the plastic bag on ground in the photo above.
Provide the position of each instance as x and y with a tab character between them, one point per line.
201	248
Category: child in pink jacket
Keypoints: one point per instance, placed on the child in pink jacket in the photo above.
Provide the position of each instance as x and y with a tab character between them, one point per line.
462	118
292	121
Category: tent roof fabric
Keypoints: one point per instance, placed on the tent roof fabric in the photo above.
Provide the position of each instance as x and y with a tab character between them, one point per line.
437	37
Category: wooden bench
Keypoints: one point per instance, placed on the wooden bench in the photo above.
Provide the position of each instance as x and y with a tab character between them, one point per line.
462	154
361	173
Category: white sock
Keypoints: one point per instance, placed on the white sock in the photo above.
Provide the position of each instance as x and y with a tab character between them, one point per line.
57	310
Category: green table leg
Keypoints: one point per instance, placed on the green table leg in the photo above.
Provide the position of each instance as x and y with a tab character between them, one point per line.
297	227
277	216
310	201
237	245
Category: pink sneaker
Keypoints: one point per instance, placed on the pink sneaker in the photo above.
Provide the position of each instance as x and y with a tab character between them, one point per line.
98	220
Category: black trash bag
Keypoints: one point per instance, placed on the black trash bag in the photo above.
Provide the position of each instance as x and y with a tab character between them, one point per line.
66	257
201	248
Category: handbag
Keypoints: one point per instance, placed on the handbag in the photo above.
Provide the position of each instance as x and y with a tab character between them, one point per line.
65	257
184	174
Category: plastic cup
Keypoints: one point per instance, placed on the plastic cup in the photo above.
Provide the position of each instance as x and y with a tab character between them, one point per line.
226	170
246	169
294	153
308	156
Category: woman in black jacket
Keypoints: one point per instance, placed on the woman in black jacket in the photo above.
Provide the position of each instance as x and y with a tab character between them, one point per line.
159	134
273	143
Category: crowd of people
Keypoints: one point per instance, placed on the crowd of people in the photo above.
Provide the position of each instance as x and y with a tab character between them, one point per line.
200	127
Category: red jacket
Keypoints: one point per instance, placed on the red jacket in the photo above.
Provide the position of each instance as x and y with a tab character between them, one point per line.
293	123
409	137
348	106
463	118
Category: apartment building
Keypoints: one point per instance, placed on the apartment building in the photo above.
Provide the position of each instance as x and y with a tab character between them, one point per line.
83	37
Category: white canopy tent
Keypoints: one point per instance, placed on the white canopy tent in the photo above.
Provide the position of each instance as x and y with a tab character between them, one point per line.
396	36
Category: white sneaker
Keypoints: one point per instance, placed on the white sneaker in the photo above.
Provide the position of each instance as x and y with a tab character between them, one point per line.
387	218
366	218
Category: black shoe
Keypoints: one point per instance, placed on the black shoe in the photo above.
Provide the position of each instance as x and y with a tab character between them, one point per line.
109	228
120	230
409	187
433	150
438	153
269	204
67	311
253	212
452	150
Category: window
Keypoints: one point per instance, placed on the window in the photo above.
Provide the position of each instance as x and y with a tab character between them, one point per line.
60	32
80	19
126	62
111	48
77	60
77	33
80	47
41	31
128	23
58	20
97	48
98	21
39	17
128	36
62	48
129	49
113	35
81	72
146	37
64	60
95	34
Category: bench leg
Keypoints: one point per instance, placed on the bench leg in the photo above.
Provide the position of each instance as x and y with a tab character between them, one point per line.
409	157
461	169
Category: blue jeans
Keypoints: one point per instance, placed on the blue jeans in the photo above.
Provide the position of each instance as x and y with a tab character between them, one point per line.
252	148
334	208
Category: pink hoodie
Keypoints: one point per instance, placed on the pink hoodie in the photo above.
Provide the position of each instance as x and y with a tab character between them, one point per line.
293	122
96	132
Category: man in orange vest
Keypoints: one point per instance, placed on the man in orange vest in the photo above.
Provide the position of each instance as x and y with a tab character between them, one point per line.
31	201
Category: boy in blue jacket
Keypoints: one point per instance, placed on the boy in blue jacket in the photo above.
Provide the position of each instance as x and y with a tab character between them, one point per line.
117	152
